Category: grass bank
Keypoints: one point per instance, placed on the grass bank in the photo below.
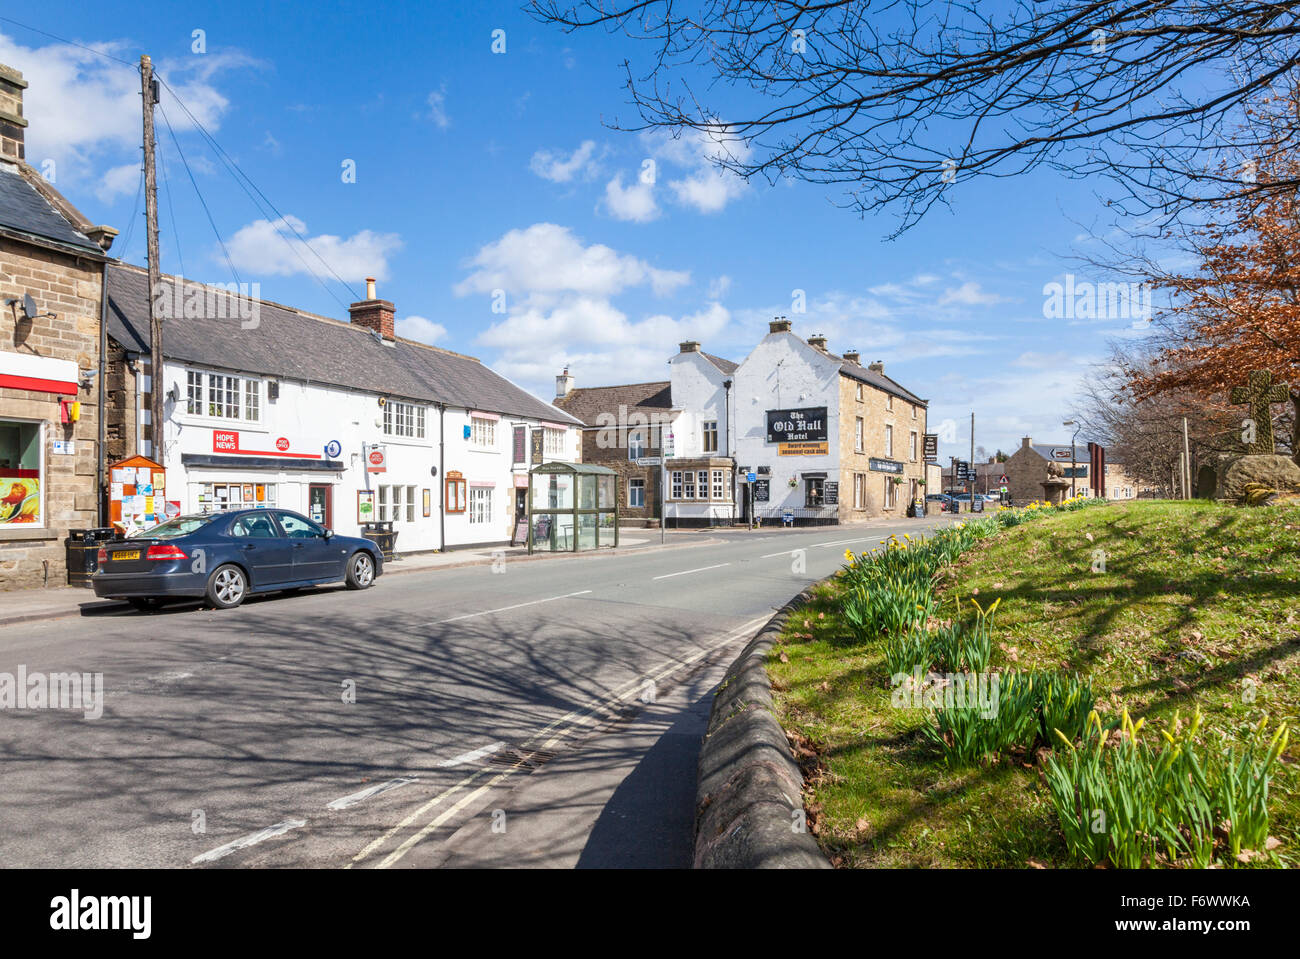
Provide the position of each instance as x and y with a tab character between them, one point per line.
1162	607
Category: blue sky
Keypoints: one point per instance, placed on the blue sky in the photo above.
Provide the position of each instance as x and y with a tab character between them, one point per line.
478	171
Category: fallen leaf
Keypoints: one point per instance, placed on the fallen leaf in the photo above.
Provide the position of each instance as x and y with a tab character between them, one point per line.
784	657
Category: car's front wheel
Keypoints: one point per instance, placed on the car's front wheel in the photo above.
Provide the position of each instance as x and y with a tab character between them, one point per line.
227	587
361	571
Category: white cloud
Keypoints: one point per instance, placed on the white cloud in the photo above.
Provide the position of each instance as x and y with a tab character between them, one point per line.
555	166
707	188
266	248
547	259
438	108
719	287
82	107
420	328
635	203
969	294
121	180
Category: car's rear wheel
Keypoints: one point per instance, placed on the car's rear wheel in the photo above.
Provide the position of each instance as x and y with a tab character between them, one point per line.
227	587
361	570
146	604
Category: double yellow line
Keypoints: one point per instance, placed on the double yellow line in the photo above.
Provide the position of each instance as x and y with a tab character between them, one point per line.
556	730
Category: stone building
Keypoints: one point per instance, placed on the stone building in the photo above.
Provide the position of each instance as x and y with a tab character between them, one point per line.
52	265
623	429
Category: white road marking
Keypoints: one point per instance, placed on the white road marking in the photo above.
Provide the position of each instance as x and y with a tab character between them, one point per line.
366	793
685	571
489	612
577	716
842	542
270	832
469	757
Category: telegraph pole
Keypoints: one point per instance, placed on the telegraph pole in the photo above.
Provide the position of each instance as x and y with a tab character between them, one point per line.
148	98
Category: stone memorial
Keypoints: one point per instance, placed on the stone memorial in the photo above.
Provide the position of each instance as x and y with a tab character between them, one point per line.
1261	475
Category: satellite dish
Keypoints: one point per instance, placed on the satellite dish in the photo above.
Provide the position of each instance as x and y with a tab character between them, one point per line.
29	306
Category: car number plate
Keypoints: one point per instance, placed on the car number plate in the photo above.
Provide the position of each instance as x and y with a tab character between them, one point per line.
127	554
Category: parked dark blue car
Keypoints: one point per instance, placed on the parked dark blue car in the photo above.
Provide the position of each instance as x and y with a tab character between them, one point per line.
226	556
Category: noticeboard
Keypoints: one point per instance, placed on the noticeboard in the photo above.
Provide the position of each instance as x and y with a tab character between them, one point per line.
762	490
831	493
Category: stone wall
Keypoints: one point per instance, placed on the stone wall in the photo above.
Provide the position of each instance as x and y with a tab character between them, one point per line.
876	415
615	458
70	287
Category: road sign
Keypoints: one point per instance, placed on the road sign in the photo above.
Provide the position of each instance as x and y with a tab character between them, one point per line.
649	461
1004	479
751	477
970	476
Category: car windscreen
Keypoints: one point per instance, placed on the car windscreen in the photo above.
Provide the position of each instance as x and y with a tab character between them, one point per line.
180	526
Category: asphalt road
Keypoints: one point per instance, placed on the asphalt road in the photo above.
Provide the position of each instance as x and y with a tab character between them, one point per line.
365	729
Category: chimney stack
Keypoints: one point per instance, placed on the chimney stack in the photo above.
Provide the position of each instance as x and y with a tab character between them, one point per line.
1025	443
853	356
374	313
779	325
877	367
12	123
817	342
563	385
690	346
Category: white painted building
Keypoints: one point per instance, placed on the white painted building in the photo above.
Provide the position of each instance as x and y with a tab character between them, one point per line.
343	422
699	469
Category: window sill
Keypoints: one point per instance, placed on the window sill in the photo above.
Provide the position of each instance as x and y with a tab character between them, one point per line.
29	533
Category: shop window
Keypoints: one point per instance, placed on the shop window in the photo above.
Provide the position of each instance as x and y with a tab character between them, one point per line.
21	497
480	504
216	497
814	492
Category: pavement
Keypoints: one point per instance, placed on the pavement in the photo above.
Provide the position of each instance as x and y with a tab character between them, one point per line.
384	728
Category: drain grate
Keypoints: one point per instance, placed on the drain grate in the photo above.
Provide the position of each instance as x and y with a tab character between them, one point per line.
526	760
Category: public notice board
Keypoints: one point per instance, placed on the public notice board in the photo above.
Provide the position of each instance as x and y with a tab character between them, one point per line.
831	492
762	490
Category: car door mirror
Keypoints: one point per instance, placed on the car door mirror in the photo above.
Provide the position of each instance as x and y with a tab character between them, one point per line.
329	534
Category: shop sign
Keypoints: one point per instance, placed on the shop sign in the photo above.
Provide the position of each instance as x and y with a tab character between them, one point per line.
802	449
884	466
377	460
796	426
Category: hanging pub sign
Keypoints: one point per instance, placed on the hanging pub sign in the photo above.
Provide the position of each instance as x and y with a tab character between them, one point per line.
931	447
537	439
797	426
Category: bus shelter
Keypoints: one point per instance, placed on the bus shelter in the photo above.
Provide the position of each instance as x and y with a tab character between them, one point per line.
572	507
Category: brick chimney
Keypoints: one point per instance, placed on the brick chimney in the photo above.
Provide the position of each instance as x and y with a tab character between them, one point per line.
779	325
853	356
1025	443
877	367
374	313
817	342
690	346
563	384
12	123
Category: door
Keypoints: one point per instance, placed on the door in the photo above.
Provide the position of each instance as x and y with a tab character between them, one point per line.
264	550
320	504
314	556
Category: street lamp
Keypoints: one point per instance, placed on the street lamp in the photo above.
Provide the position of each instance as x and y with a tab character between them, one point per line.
1073	469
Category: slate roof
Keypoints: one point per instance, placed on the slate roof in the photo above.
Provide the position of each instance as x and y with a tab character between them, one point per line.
588	403
302	346
726	366
1045	451
24	210
879	380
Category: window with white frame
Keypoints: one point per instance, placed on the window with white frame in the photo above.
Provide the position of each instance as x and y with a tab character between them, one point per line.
719	484
396	504
913	411
223	397
889	401
911	445
676	484
636	493
483	432
889	441
858	391
710	436
480	504
858	434
704	484
859	491
404	419
635	445
890	492
553	442
688	491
